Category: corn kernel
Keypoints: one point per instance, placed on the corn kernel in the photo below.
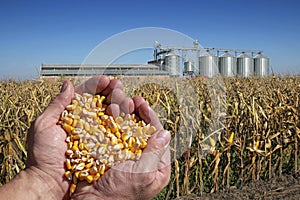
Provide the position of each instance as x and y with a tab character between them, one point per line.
81	177
68	164
68	175
77	174
87	127
118	134
102	169
99	104
69	153
131	141
100	114
68	121
90	178
89	165
80	166
80	124
76	131
114	140
75	102
84	152
70	144
75	137
144	144
81	146
75	145
93	170
125	136
68	128
70	107
97	176
72	188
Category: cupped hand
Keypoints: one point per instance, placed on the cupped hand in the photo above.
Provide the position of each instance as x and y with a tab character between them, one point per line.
46	141
141	179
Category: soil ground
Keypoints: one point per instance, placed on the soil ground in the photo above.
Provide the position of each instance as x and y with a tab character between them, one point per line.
286	187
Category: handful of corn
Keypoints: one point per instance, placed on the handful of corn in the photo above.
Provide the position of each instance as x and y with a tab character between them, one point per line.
97	141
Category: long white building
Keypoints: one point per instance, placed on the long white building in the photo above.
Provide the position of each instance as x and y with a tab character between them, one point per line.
76	70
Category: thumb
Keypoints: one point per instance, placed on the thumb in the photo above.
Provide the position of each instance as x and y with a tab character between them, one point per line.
57	106
156	154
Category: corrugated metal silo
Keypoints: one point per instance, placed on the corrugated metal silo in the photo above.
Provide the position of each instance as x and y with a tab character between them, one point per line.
188	67
208	64
227	64
261	65
245	66
172	64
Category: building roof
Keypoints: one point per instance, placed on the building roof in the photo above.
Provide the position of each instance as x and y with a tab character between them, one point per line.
73	70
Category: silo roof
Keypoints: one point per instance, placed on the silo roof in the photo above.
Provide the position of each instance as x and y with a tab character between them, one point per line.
208	54
260	56
226	55
243	55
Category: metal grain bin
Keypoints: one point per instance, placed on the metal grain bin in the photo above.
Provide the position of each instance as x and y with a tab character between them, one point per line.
188	67
261	65
245	66
208	64
227	64
172	64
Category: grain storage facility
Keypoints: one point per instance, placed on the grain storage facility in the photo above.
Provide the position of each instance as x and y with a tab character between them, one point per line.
174	62
227	64
245	66
261	65
188	68
208	64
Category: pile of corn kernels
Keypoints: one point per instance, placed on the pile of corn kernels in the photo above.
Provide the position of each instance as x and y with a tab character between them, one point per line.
97	141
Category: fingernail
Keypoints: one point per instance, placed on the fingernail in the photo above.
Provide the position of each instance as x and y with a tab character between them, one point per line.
64	86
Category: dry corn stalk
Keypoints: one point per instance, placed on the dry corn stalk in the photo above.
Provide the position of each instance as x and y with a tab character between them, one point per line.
96	141
262	114
20	103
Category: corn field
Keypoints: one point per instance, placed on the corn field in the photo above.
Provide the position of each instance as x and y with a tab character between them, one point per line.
253	135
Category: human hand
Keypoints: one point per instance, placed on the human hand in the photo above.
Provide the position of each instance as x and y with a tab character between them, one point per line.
141	179
46	146
46	140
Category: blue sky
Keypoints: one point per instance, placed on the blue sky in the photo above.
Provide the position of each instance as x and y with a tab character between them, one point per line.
36	32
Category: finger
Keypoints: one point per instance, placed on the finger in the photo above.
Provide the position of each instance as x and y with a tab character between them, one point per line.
156	155
146	113
115	96
113	84
159	140
127	105
113	110
94	85
57	106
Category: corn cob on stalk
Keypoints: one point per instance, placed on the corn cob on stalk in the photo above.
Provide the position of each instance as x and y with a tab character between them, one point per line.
97	141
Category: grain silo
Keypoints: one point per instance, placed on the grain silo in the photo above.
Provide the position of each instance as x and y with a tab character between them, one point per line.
172	64
208	64
245	66
188	68
227	64
261	65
